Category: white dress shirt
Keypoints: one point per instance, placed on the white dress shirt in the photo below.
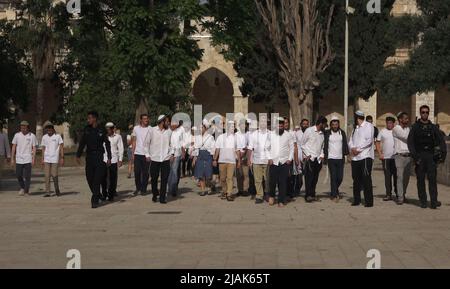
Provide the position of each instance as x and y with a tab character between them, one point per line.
298	137
362	140
227	144
387	143
312	143
52	145
280	147
257	143
400	139
335	145
204	142
159	148
24	147
142	135
177	141
117	149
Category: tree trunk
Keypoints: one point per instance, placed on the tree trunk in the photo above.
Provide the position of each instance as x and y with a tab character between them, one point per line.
306	108
142	108
40	97
294	108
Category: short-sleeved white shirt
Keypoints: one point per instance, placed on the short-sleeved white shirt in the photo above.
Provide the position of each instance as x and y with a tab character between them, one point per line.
228	145
51	144
387	142
142	135
24	147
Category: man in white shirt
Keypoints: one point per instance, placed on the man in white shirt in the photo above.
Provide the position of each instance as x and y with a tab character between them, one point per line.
242	174
141	155
313	156
258	158
292	171
23	155
5	151
280	147
362	153
52	156
161	155
385	149
335	149
177	143
117	151
227	157
298	181
402	157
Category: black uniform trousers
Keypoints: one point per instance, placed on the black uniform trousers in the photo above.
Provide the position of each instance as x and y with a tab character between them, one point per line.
426	167
362	178
390	175
312	170
157	168
279	176
336	168
95	172
141	167
109	184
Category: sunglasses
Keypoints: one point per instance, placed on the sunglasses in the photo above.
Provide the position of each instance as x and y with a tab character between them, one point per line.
424	112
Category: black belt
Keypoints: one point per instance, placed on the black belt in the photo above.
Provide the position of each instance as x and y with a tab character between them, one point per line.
406	155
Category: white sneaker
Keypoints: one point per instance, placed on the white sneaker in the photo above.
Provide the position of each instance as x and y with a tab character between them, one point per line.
21	192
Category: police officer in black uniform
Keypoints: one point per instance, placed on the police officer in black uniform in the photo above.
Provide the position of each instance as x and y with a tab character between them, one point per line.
427	147
95	140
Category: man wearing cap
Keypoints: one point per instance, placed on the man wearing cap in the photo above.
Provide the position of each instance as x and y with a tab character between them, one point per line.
95	140
5	151
258	158
161	155
280	152
141	155
402	157
23	155
335	149
313	156
427	147
117	151
385	148
52	157
227	157
362	153
178	150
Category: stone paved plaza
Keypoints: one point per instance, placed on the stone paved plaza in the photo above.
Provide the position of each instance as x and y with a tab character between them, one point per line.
206	232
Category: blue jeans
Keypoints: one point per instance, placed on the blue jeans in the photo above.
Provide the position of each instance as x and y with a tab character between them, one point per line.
174	175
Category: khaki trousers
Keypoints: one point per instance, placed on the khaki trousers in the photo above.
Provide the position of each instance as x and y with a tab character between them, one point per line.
226	173
51	170
260	173
242	178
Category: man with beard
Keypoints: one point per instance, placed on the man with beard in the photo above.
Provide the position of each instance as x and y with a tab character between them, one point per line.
280	147
313	156
362	152
95	140
335	150
161	156
427	147
402	155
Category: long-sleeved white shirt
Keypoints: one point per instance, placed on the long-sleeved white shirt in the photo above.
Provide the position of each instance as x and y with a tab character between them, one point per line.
312	143
204	142
257	144
177	141
117	149
280	147
400	139
142	135
159	145
362	140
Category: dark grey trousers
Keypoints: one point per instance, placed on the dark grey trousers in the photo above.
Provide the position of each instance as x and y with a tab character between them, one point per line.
23	173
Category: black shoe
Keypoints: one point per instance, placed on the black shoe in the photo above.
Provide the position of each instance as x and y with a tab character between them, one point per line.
387	198
135	193
433	206
155	198
162	201
230	199
438	204
95	205
103	198
111	199
423	205
355	204
309	199
368	205
47	195
202	194
174	195
259	201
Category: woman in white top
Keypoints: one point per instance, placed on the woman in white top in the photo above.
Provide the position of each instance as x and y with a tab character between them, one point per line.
204	148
